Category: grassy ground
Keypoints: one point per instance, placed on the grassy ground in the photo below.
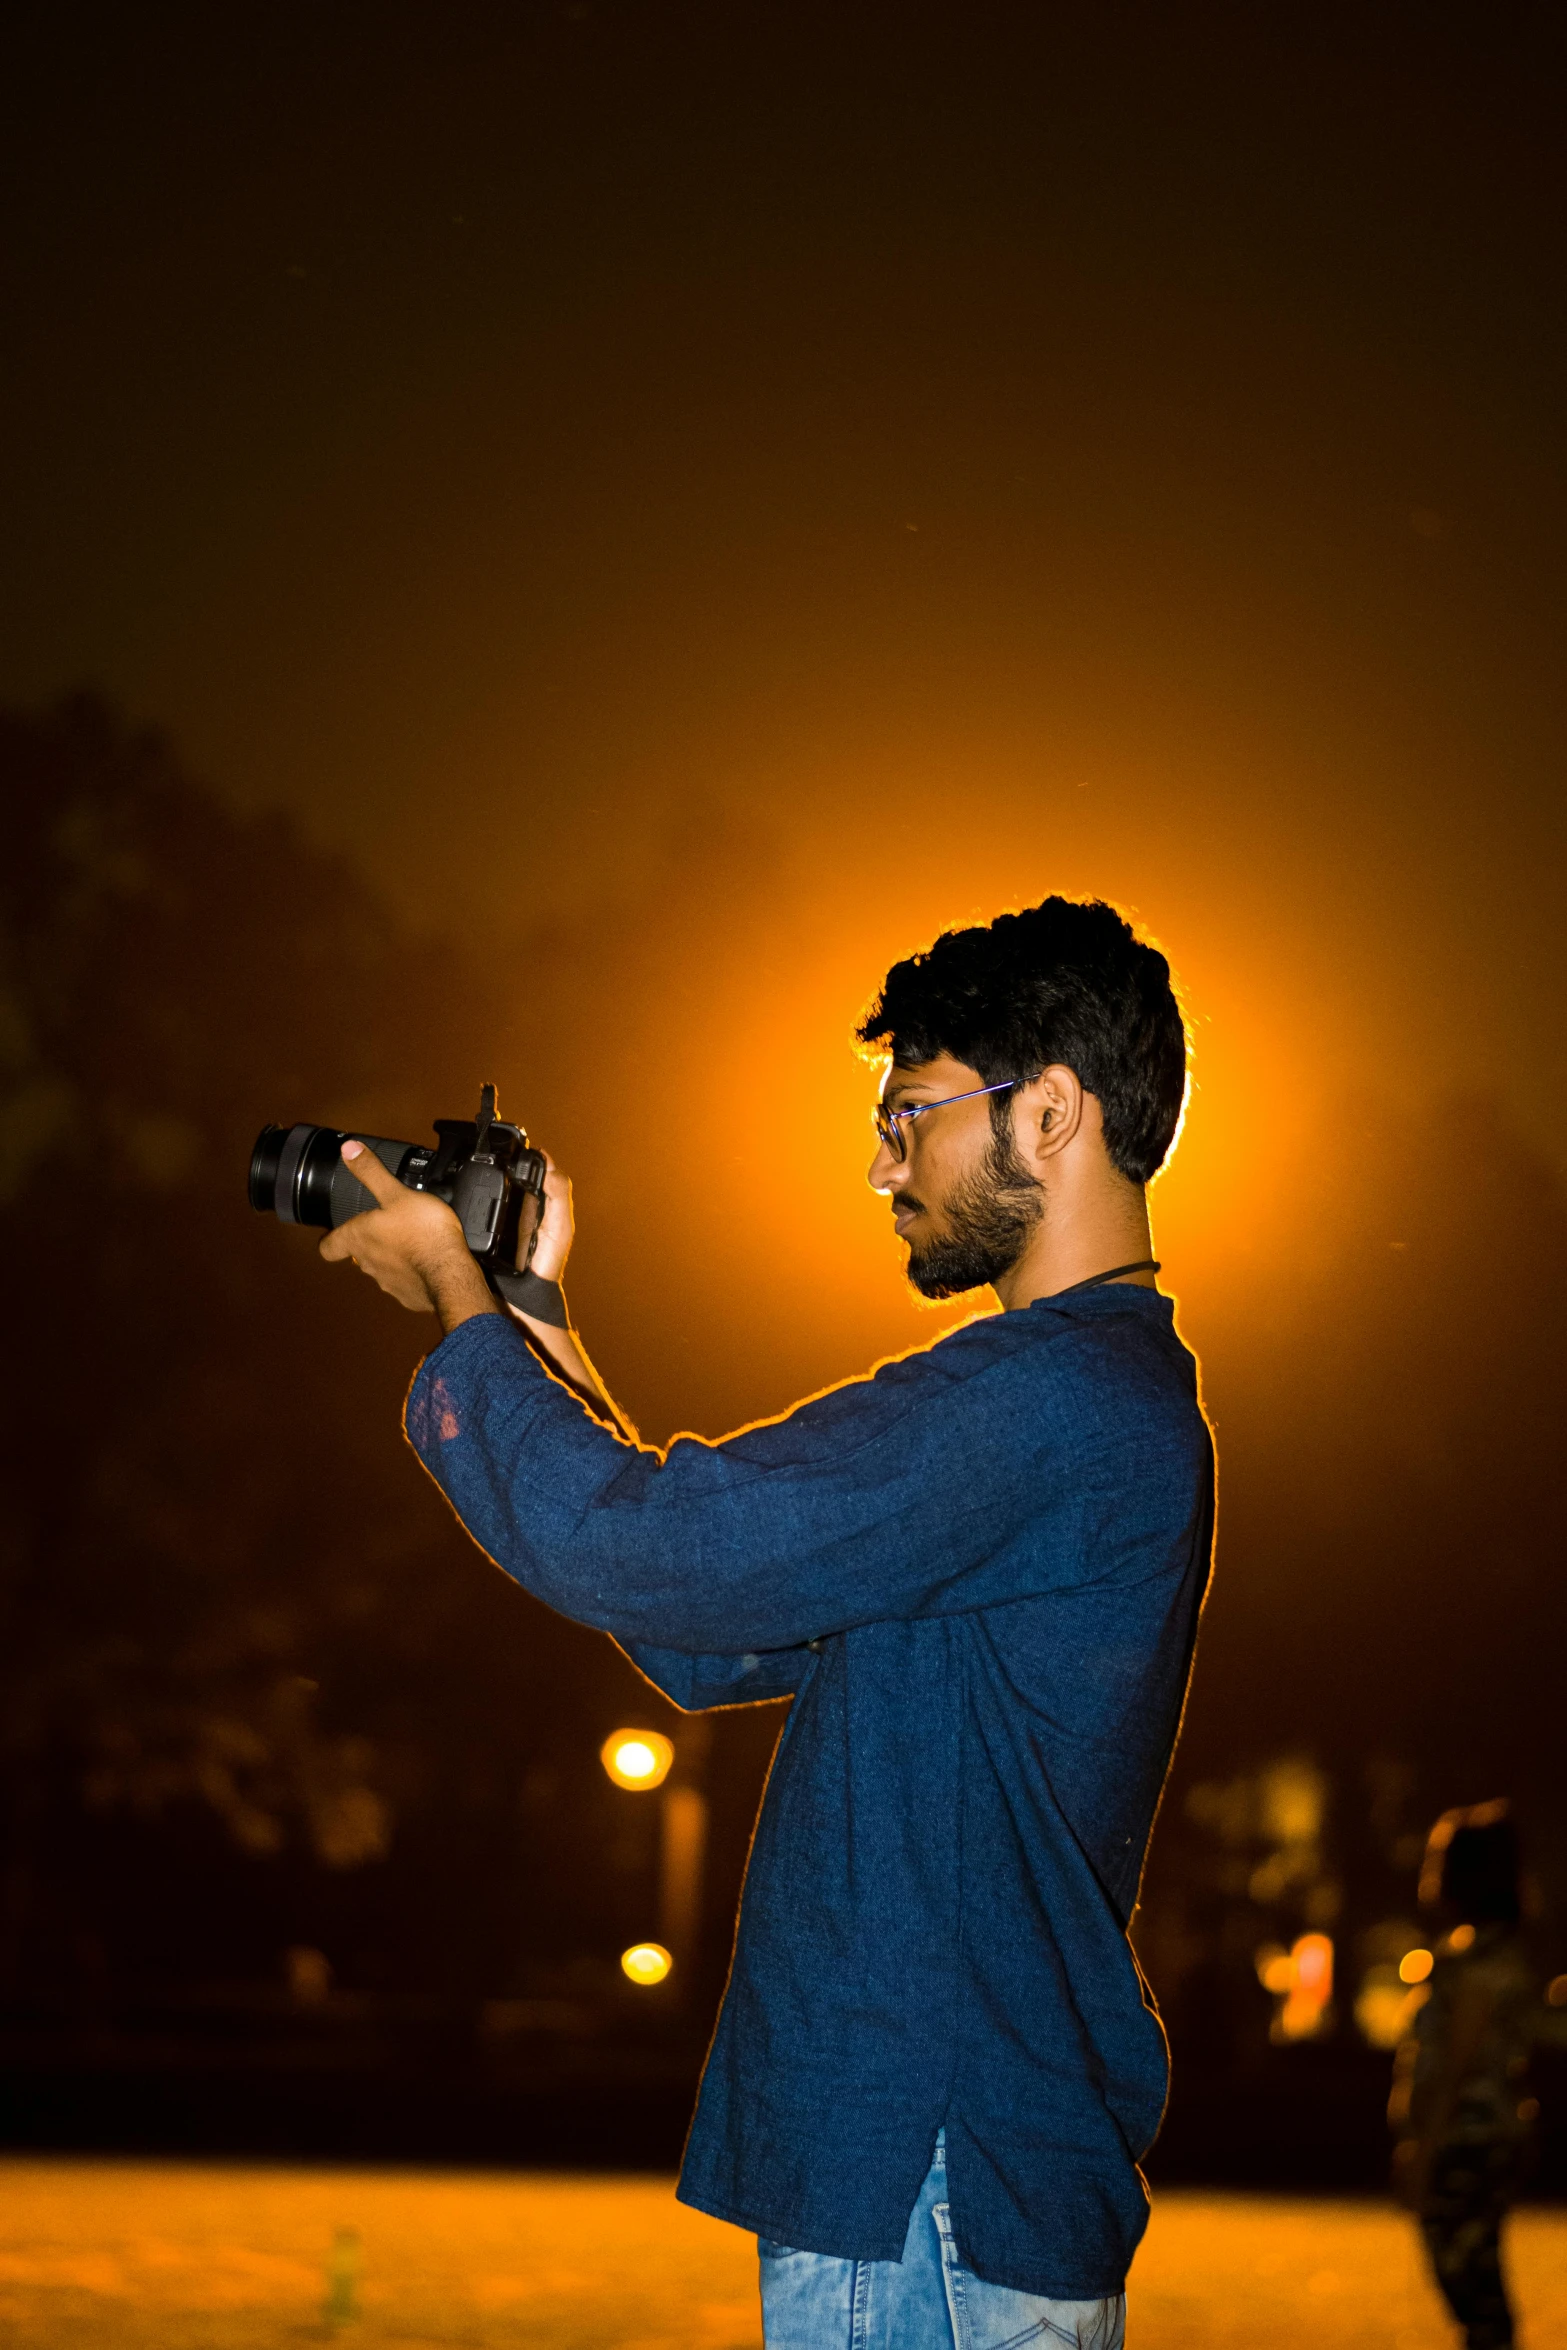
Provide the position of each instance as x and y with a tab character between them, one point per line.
125	2256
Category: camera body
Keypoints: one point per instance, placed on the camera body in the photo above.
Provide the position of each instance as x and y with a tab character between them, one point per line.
482	1167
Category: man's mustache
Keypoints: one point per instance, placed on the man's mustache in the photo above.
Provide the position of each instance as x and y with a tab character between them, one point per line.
907	1205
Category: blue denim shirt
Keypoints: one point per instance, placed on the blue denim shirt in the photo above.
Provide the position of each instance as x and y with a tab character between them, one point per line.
978	1573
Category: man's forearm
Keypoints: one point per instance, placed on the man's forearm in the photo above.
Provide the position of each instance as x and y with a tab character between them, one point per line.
460	1291
567	1357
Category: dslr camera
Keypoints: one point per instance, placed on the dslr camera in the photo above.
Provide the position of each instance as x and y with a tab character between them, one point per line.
482	1167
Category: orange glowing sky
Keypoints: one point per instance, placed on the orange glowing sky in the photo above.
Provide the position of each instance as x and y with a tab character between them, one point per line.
758	488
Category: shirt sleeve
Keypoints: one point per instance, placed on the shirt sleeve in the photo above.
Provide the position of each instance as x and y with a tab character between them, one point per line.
897	1495
698	1683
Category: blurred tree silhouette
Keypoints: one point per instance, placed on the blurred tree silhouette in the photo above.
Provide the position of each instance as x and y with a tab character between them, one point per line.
228	1596
197	1507
165	968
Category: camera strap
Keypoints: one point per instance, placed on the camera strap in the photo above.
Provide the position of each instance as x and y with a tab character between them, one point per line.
530	1293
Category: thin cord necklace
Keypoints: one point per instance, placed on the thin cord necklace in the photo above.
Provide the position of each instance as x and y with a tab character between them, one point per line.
1143	1265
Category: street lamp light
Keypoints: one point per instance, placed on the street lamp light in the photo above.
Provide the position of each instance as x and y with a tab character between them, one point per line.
637	1759
646	1963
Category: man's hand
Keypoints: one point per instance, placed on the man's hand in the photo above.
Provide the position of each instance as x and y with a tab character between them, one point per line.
561	1349
557	1226
411	1245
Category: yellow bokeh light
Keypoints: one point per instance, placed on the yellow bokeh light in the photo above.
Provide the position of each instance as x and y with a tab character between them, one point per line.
637	1759
1384	2009
1274	1971
1414	1966
1312	1958
1301	1979
646	1962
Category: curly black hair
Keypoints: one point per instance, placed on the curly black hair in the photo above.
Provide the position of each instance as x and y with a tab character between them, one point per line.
1064	981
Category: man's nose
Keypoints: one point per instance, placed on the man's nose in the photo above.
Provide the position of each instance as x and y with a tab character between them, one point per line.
885	1172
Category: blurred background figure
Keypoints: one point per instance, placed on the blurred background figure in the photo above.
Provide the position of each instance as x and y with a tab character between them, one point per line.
1460	2097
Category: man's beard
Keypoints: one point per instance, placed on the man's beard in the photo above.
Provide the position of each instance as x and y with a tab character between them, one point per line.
991	1217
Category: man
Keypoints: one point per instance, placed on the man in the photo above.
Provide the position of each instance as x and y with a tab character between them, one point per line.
978	1574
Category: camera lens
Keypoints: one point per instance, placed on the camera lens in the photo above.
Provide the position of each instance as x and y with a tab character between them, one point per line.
297	1173
320	1163
291	1170
265	1161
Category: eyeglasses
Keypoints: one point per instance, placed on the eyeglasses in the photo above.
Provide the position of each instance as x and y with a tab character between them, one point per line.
890	1123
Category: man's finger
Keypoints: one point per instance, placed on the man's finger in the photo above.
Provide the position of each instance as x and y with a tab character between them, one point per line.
361	1231
345	1238
378	1181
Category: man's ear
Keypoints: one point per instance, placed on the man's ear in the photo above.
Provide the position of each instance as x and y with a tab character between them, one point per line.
1047	1115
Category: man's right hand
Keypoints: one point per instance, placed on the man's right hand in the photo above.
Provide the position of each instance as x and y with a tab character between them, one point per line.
410	1244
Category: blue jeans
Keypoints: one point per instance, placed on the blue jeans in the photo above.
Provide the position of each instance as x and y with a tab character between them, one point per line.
925	2301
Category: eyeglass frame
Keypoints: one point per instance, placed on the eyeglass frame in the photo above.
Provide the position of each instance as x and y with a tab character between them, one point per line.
886	1122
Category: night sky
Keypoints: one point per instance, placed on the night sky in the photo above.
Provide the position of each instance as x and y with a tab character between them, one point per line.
691	500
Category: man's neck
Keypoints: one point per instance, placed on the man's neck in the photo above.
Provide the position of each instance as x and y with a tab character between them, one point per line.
1076	1239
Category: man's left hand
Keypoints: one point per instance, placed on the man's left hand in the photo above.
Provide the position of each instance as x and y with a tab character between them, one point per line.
411	1245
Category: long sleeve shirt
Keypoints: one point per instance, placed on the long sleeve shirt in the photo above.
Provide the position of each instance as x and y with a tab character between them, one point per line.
978	1574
